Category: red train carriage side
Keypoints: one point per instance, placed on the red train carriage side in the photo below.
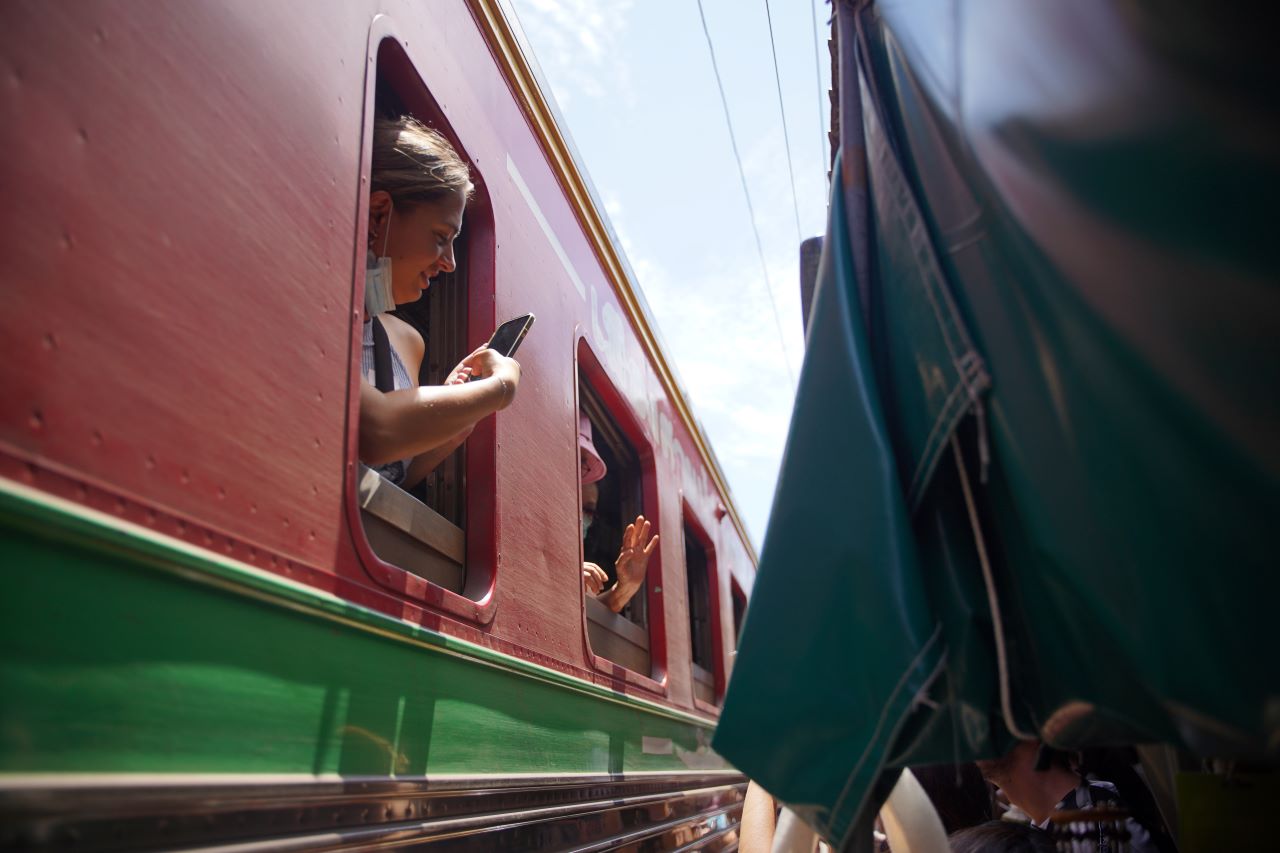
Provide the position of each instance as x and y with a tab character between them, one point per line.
186	199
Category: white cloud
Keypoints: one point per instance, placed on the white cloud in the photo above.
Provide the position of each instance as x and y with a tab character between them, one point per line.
613	207
691	249
577	45
724	341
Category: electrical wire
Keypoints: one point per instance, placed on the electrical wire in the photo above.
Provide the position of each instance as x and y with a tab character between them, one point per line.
817	79
742	174
786	136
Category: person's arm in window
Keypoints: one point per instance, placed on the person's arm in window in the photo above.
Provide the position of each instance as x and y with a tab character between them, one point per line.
425	420
424	463
411	348
632	565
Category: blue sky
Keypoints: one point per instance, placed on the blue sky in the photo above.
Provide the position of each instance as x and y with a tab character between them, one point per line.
634	83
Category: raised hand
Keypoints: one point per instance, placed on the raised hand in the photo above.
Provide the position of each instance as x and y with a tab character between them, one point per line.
632	563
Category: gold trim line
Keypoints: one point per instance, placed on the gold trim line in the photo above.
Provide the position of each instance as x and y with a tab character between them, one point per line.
506	49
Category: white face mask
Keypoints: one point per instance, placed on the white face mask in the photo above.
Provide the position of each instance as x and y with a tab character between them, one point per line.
586	525
378	296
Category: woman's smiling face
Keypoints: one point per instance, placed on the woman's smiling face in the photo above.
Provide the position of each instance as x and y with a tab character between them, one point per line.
419	241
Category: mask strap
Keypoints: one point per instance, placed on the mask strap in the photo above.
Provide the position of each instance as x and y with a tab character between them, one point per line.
386	238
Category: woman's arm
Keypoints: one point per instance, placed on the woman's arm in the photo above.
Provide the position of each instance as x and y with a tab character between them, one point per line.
424	463
399	424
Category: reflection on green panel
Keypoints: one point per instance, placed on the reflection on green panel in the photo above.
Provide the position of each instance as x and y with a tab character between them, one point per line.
116	656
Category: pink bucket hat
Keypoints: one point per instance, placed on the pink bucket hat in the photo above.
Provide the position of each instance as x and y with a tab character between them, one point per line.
593	467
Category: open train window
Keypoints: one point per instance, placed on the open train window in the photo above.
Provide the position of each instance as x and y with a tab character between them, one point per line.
434	527
626	491
699	568
739	609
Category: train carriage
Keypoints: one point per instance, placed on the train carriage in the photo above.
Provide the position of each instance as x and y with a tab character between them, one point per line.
218	626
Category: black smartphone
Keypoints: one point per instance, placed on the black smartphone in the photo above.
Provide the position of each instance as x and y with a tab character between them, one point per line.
506	340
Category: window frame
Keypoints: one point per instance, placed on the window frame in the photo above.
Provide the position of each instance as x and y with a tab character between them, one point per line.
736	595
692	523
588	369
475	602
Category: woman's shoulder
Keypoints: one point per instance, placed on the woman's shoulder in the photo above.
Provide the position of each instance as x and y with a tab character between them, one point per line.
406	339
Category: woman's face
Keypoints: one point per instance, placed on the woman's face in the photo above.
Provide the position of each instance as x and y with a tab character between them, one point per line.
420	240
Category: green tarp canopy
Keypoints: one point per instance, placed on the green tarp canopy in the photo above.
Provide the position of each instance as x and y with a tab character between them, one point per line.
1031	480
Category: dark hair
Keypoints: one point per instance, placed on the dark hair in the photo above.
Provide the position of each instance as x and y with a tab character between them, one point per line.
1002	836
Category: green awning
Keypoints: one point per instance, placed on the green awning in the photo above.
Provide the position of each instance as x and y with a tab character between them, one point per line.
1054	386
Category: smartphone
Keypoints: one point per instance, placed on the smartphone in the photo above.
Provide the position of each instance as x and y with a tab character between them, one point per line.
506	340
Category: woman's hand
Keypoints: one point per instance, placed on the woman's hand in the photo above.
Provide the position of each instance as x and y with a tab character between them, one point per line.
632	564
485	363
593	578
460	375
462	371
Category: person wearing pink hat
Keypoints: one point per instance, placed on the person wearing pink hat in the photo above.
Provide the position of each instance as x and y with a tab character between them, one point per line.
637	546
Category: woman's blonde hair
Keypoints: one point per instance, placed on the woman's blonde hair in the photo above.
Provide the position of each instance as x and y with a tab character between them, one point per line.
416	164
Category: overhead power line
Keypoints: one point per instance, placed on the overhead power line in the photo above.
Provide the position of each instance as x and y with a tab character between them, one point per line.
817	79
755	229
786	136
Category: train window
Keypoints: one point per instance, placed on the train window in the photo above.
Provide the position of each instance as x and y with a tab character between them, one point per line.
739	609
699	567
421	524
621	636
